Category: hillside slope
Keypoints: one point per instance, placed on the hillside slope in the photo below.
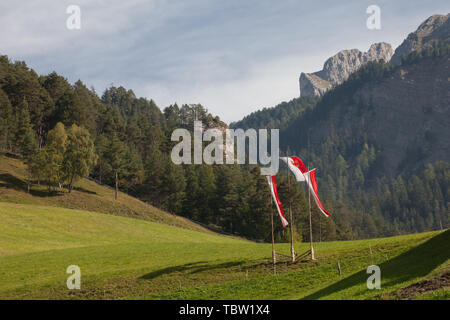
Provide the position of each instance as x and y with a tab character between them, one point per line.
381	143
87	195
121	257
338	68
405	115
277	117
405	262
38	243
433	30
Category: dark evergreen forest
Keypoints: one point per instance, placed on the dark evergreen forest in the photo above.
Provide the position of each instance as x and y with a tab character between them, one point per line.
67	131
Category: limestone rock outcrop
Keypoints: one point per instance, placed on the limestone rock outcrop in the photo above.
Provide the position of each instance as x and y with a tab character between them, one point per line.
338	68
432	31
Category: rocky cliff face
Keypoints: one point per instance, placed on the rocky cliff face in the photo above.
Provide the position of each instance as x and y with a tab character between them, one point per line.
436	28
338	68
406	115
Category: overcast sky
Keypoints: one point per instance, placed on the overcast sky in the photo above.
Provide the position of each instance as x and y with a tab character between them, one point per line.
232	56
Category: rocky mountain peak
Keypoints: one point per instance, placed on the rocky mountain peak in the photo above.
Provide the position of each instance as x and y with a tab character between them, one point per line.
436	28
338	68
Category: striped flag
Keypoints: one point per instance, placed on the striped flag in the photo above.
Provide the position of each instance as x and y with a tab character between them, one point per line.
272	180
301	173
310	177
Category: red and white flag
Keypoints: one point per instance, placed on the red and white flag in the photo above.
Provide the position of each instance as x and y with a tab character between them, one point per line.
301	173
310	177
296	166
272	180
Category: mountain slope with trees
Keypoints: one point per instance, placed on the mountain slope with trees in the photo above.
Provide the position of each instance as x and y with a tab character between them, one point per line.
65	132
276	117
379	140
380	143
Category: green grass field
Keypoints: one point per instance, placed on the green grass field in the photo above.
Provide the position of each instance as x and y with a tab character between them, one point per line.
130	250
129	258
87	195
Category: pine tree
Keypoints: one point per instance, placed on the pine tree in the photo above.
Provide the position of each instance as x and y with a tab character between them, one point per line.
207	192
154	165
29	150
6	118
116	160
173	187
22	125
193	199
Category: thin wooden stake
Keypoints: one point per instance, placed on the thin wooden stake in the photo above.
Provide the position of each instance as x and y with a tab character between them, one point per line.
339	268
283	255
274	258
290	210
310	227
310	220
304	254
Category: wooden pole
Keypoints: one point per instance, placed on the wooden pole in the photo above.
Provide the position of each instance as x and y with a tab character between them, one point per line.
310	227
309	209
290	211
274	258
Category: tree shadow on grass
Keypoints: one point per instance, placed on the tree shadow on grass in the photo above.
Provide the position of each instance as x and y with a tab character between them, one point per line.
9	181
417	262
192	268
10	155
80	189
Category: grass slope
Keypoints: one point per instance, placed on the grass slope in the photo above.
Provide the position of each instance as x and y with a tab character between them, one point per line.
38	243
403	261
87	195
121	257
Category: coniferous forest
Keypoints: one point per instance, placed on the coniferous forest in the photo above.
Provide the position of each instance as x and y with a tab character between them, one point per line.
65	131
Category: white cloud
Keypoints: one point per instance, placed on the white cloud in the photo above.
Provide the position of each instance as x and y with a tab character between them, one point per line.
232	56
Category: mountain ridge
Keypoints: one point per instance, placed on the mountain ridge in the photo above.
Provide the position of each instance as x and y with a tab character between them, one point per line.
372	137
434	29
338	67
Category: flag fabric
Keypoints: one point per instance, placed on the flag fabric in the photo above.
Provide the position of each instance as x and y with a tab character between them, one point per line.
310	177
272	180
301	173
296	166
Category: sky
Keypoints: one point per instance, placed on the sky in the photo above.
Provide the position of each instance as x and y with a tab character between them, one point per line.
232	56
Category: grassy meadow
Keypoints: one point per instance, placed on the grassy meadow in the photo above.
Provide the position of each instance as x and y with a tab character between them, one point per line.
127	249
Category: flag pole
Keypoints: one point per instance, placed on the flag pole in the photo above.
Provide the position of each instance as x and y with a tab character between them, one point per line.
309	209
274	258
290	210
